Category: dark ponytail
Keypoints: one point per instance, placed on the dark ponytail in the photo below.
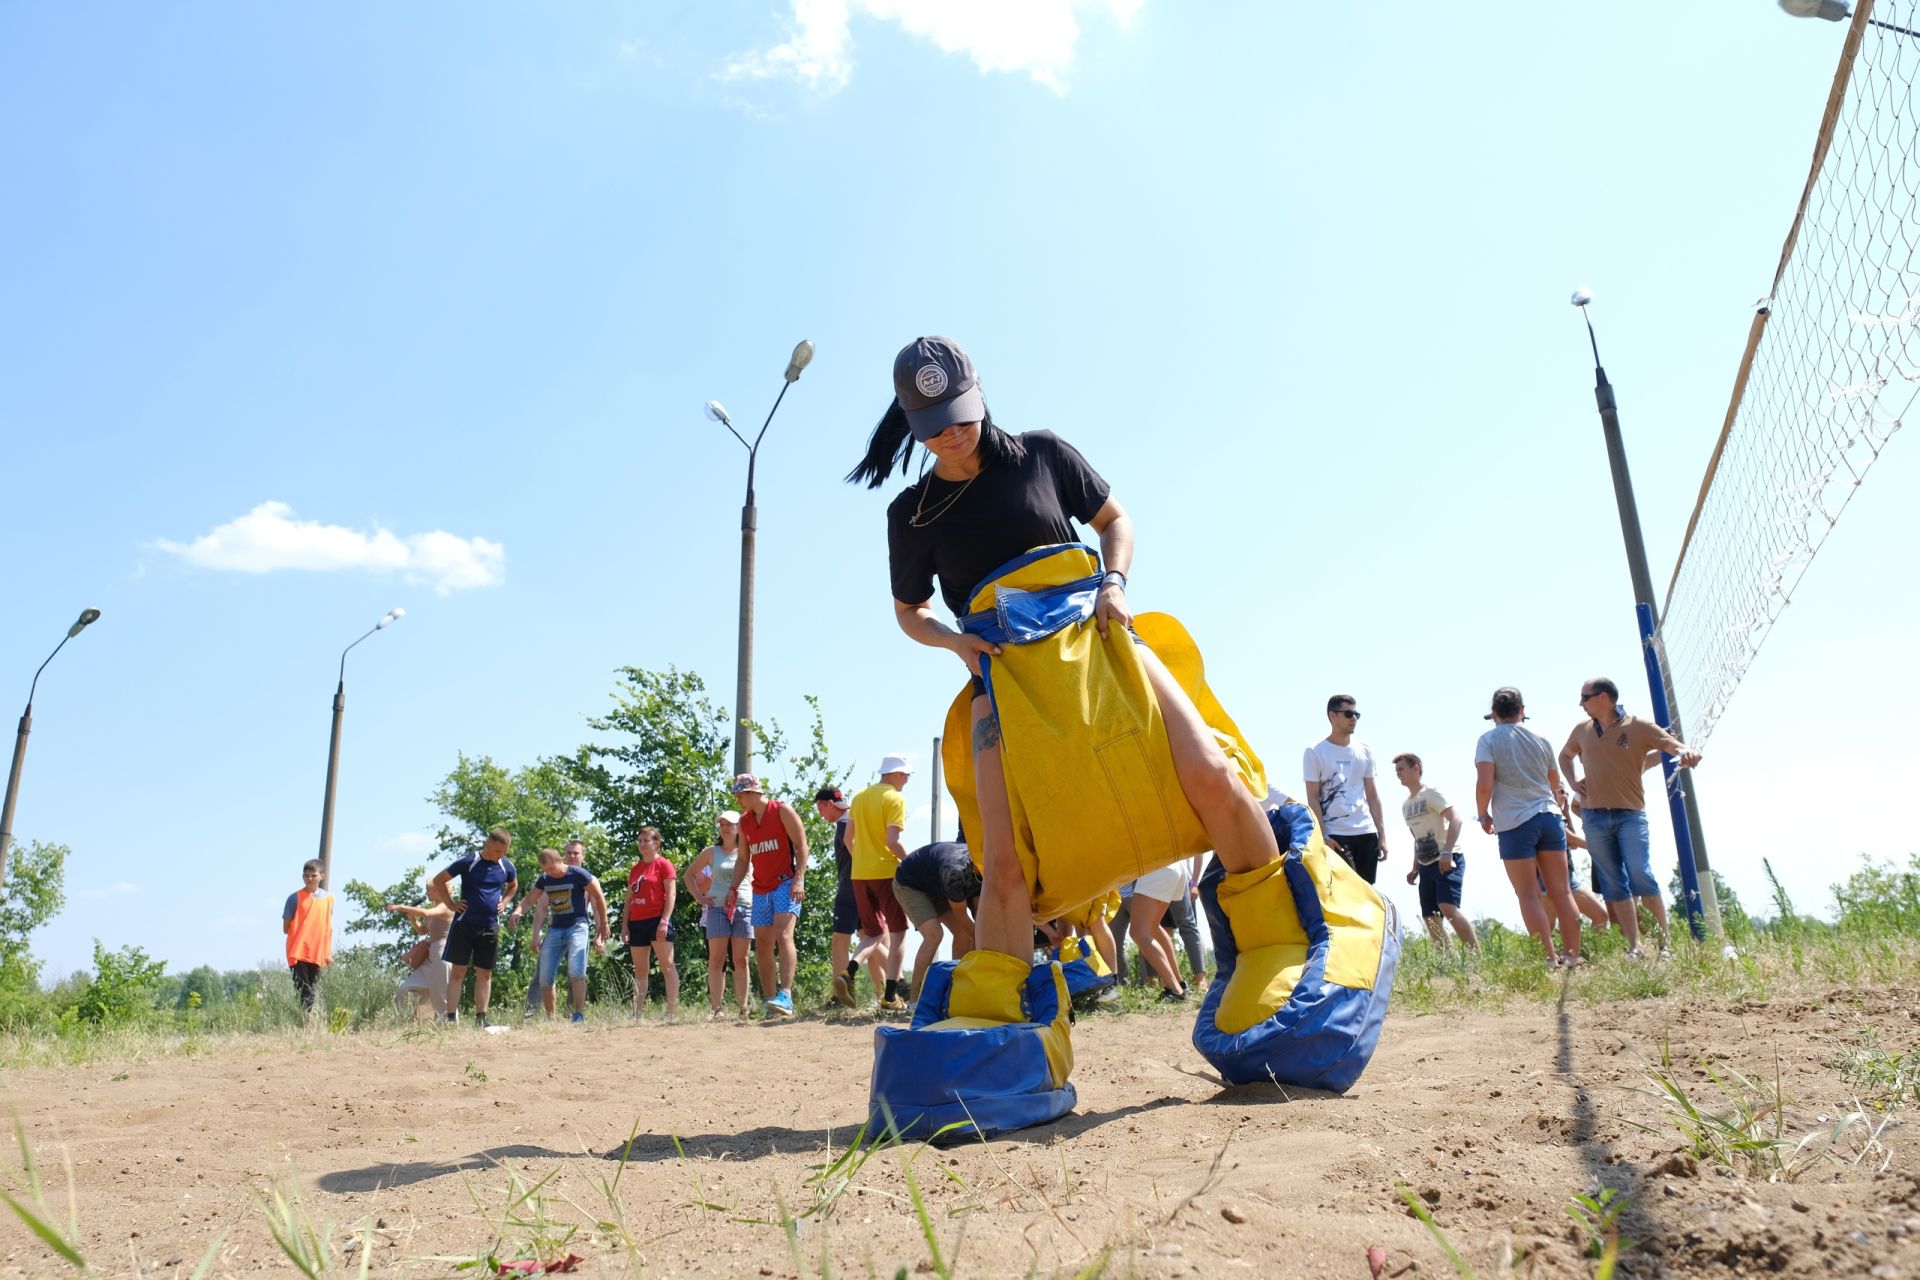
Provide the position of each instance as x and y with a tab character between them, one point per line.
893	442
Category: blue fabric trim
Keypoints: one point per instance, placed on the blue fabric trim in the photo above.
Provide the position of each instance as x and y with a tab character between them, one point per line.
988	1079
1324	1035
1081	979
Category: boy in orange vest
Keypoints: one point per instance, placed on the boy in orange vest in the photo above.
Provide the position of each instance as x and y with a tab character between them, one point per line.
307	921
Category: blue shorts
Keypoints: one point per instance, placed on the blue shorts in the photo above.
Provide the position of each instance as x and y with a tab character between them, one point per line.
1622	858
570	942
1543	832
846	912
1436	888
715	922
777	901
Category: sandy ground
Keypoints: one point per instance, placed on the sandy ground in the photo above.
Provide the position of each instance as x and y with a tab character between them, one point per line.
1497	1121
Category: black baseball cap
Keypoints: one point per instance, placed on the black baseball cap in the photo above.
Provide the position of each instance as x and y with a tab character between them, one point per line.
831	795
1506	701
935	383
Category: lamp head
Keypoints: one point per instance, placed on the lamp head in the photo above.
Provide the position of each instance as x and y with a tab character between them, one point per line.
802	357
1831	10
87	618
718	412
392	616
1582	296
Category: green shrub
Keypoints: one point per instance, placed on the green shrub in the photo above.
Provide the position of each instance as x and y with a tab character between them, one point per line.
1880	898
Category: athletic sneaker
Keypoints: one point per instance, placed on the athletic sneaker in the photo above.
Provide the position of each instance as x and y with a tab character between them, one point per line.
781	1004
1666	953
579	1017
892	1003
1172	997
480	1019
842	991
1108	995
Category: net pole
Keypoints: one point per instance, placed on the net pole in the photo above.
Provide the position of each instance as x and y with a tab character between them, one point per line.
1687	837
935	772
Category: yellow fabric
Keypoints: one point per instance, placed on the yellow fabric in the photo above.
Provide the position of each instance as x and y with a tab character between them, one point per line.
1083	949
1090	780
873	811
986	991
1273	943
310	940
1105	907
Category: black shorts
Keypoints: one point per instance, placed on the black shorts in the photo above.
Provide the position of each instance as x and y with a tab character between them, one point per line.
477	948
1361	852
644	933
846	913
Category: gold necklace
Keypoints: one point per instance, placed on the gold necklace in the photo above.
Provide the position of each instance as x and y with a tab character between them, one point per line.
920	521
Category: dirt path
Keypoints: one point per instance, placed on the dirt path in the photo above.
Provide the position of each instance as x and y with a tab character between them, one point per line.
1496	1121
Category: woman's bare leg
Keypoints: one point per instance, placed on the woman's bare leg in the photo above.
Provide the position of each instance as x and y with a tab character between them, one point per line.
716	972
1524	875
1005	915
739	946
1144	926
1235	822
1553	870
641	956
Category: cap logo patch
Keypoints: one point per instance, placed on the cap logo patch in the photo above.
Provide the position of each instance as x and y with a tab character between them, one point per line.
932	380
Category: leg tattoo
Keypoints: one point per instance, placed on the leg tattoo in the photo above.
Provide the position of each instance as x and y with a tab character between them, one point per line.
986	733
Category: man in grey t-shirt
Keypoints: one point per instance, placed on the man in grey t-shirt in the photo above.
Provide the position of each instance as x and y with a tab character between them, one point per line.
1519	796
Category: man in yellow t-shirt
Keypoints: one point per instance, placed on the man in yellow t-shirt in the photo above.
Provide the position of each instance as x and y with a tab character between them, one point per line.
878	816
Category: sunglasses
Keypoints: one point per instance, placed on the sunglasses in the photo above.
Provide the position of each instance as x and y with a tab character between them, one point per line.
1351	715
1586	697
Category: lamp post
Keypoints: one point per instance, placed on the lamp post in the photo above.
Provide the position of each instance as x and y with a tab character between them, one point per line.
749	517
87	618
1695	875
333	750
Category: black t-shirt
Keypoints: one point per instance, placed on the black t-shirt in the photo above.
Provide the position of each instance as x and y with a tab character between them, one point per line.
842	856
1005	512
943	871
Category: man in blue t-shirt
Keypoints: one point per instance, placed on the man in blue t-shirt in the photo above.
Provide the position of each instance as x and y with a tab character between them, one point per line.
569	898
487	885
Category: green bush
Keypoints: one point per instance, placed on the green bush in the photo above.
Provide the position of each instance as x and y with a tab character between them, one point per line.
123	986
1880	898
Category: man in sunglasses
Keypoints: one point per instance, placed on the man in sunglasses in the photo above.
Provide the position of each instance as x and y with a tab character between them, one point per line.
1614	749
1340	790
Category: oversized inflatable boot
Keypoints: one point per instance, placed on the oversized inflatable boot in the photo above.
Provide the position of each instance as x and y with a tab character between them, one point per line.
1086	974
1306	951
988	1052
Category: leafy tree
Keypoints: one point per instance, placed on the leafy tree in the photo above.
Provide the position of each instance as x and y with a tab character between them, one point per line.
34	893
397	935
122	987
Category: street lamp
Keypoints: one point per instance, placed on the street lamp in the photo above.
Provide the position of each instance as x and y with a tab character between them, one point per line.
86	619
743	674
333	750
1695	876
1834	11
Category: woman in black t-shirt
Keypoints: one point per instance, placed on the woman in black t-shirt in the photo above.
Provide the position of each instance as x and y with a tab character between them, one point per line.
989	497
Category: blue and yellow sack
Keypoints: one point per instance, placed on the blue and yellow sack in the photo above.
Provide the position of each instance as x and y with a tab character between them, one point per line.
1085	971
988	1051
1090	778
1305	951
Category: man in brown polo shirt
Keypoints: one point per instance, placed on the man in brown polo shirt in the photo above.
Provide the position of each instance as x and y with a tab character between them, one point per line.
1614	749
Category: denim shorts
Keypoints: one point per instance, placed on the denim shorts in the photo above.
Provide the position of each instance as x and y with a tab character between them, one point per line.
715	922
571	943
1622	858
777	901
1542	832
1436	888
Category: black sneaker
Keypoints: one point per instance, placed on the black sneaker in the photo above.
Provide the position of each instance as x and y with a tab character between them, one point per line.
1172	997
480	1020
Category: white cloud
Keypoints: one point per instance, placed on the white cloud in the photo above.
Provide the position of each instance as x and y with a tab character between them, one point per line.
268	538
1037	37
410	844
119	889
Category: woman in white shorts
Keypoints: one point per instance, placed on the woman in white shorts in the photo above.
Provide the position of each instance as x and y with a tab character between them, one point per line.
728	924
1151	894
427	984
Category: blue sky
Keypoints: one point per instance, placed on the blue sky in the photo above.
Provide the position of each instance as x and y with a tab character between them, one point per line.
1294	278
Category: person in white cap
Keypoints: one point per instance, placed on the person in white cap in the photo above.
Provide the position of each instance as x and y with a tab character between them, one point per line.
878	817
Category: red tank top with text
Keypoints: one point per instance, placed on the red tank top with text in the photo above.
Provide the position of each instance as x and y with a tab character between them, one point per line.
769	846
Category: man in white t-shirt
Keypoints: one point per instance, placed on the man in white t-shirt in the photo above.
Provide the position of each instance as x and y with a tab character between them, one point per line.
1439	868
1340	790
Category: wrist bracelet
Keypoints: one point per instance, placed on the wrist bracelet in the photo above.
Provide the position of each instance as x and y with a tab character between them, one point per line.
1110	574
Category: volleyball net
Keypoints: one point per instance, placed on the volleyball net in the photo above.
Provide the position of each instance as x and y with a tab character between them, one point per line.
1831	369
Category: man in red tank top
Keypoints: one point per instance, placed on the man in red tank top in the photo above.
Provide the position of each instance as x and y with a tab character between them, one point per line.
776	845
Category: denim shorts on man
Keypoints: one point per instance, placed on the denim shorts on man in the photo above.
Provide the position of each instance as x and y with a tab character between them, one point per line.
570	944
1436	888
777	901
1622	857
1542	833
